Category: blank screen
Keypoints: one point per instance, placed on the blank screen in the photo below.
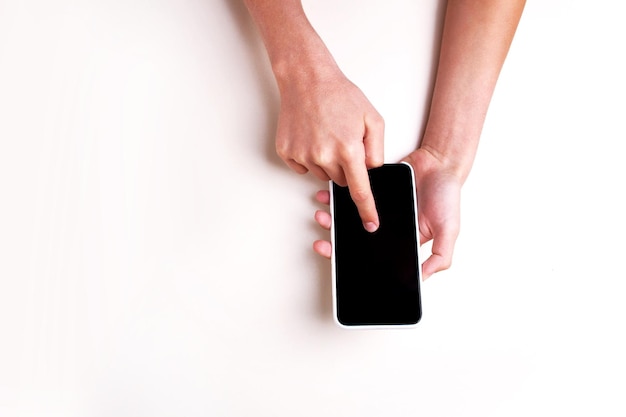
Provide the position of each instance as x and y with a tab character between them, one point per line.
376	274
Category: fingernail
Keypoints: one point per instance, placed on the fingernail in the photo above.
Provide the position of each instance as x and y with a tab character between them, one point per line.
371	227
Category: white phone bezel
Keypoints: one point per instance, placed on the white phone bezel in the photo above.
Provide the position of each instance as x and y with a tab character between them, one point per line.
334	274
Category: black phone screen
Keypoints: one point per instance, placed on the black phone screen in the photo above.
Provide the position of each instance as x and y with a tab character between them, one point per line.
376	275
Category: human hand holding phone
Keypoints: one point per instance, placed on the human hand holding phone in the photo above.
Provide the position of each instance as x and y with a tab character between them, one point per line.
439	194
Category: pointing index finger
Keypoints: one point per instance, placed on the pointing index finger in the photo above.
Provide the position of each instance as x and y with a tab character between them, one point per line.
361	193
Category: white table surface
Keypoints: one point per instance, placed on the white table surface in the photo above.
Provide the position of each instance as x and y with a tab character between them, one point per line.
155	254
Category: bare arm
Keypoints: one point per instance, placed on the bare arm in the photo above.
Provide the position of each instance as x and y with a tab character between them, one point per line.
476	39
326	125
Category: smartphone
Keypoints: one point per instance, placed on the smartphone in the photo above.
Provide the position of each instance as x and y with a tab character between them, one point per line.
376	276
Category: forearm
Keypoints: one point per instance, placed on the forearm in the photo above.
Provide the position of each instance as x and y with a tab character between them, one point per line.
295	50
475	41
326	125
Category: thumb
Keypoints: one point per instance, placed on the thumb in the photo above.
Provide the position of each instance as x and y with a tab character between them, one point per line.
442	250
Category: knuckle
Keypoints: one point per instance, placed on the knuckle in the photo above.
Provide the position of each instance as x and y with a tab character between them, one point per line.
378	121
282	150
322	157
350	152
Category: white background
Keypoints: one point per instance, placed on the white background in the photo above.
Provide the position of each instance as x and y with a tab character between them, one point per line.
155	254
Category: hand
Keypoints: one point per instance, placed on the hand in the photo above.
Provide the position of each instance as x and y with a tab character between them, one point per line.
438	195
327	126
439	208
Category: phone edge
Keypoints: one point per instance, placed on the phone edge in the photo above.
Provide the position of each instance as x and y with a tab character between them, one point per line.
419	263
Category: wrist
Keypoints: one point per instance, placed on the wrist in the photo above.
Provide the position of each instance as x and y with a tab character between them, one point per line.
308	62
454	146
427	161
297	54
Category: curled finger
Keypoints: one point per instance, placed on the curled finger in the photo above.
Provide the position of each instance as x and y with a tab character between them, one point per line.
323	196
296	166
441	257
323	248
323	219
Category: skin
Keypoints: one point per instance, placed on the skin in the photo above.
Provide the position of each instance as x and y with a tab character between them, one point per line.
328	127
